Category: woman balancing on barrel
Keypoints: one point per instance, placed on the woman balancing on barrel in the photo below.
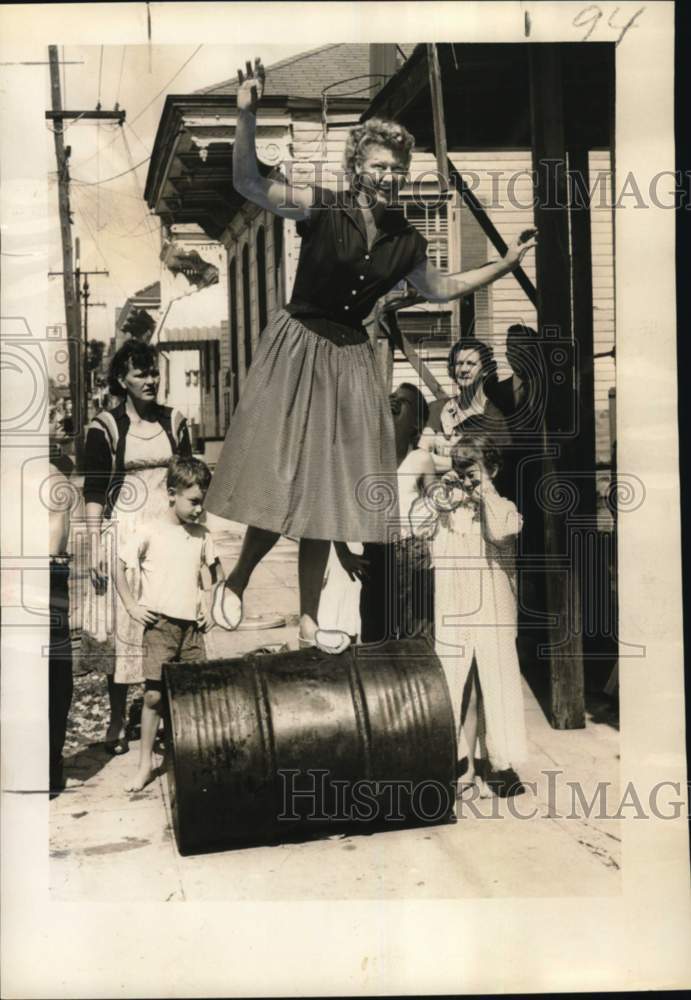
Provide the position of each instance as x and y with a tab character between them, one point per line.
313	426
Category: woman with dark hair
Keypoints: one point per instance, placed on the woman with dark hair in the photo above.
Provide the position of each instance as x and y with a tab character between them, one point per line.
126	457
313	427
472	367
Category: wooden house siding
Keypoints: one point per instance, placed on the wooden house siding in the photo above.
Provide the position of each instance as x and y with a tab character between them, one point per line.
493	175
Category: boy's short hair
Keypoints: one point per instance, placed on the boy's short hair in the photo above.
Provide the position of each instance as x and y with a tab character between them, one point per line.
186	472
421	405
474	447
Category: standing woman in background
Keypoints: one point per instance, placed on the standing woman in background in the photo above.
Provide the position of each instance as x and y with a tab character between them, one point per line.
312	441
127	453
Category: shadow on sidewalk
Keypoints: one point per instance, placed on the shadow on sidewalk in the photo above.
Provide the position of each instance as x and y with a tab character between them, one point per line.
87	762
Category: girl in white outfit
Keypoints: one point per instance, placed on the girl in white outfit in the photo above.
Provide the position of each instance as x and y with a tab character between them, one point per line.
474	530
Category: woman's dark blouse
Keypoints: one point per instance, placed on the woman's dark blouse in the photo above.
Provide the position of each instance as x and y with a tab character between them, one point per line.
338	278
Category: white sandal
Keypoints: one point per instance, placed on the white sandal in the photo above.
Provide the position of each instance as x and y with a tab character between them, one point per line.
483	789
331	641
226	607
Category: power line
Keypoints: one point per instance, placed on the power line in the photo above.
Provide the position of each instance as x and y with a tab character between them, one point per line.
105	191
163	90
137	137
122	66
100	73
82	163
138	186
98	247
114	177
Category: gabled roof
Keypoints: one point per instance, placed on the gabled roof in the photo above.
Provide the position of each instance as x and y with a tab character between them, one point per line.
308	74
146	298
152	291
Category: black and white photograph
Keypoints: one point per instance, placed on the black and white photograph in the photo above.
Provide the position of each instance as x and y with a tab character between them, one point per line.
342	627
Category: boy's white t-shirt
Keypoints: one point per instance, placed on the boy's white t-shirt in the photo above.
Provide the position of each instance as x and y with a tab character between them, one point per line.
170	557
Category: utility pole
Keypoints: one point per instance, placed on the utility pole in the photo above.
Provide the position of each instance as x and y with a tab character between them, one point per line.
88	305
70	279
80	407
72	311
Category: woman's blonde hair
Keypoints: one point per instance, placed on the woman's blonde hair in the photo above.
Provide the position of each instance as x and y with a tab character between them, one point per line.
377	132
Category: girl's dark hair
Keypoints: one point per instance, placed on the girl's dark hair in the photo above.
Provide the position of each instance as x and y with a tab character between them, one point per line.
473	447
489	365
133	353
186	472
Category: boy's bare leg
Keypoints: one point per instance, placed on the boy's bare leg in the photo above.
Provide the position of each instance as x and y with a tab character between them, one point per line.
117	696
151	716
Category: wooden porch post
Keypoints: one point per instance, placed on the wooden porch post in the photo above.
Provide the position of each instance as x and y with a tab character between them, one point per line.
553	268
583	448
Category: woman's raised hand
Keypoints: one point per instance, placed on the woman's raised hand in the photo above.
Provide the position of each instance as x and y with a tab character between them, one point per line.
520	246
250	86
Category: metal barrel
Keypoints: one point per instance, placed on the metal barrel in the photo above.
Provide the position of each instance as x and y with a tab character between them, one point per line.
268	747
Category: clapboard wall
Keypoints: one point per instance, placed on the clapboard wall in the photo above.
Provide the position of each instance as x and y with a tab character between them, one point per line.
502	181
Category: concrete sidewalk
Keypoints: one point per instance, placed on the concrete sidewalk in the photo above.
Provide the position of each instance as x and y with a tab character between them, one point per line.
109	845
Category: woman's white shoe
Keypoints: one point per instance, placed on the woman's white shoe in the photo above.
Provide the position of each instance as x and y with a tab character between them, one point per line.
331	641
226	607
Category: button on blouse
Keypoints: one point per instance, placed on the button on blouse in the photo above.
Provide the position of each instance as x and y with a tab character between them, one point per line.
339	278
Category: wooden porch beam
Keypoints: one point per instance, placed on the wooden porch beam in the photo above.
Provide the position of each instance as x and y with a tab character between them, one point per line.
439	124
400	92
489	229
553	268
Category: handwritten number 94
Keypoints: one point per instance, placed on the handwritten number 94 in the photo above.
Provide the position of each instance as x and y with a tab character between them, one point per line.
590	16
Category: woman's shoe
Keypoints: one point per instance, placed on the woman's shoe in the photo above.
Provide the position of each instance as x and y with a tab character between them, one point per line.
226	607
331	641
117	747
475	788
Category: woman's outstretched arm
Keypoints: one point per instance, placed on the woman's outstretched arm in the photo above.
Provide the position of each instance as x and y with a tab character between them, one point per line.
277	196
438	287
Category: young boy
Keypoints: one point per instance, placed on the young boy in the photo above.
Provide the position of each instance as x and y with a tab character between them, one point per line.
170	552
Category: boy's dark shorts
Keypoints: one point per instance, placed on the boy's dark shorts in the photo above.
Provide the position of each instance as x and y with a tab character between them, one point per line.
170	639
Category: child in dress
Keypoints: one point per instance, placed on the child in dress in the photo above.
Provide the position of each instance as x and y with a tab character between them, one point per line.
339	603
474	530
169	552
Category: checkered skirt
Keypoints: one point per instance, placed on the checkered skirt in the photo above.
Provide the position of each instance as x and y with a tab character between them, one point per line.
310	451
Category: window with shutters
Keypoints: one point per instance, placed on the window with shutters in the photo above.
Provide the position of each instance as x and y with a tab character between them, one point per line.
432	221
432	331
